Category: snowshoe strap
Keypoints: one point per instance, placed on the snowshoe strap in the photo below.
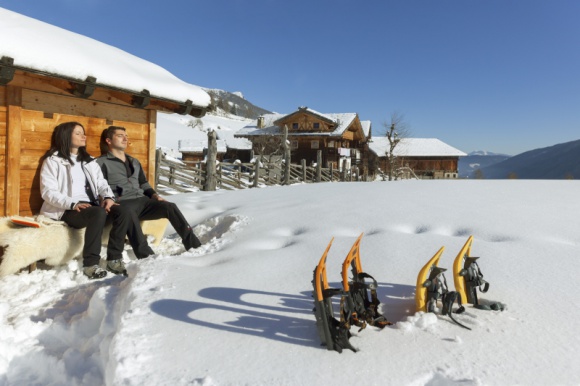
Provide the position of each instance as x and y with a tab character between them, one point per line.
448	299
497	306
479	278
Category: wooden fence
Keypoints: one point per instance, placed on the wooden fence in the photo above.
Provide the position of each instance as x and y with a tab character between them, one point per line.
185	176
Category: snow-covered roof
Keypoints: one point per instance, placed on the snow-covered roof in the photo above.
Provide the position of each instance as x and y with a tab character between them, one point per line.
343	120
42	47
366	126
233	142
303	109
415	147
197	146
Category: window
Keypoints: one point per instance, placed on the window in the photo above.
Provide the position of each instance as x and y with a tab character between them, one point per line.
293	144
316	125
295	125
314	145
330	144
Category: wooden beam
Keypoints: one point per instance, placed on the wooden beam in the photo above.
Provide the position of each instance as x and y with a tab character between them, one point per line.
13	143
142	100
152	147
6	70
85	89
185	109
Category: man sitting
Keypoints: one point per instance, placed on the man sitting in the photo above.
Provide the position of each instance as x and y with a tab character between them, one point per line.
132	190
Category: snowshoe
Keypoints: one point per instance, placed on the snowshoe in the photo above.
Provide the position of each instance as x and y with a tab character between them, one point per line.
362	306
333	333
468	278
421	289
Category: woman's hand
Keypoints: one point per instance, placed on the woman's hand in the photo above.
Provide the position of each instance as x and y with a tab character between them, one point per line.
81	205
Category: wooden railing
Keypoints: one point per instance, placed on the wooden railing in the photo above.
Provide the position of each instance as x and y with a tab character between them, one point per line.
182	176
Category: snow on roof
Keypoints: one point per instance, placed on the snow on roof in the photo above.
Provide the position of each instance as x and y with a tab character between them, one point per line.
366	127
197	146
343	120
39	46
233	142
311	111
415	147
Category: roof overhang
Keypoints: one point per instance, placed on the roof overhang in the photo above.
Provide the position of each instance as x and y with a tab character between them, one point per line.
87	89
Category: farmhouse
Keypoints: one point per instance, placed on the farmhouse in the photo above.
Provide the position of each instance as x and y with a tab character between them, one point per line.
427	158
341	138
49	75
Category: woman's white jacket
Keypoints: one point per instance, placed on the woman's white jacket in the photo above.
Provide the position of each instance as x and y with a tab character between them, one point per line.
56	185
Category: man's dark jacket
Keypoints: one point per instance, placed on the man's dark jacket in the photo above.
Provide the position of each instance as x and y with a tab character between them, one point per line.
127	180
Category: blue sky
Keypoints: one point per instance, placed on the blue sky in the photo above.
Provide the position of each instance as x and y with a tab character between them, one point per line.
496	75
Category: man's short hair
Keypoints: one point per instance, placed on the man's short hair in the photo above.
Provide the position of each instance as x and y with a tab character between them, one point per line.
109	132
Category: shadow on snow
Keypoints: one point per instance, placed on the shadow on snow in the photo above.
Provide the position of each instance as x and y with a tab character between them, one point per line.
267	321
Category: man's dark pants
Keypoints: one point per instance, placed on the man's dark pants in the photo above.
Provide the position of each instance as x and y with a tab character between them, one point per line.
145	208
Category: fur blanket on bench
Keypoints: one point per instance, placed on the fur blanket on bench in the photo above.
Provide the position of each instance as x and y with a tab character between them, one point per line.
54	241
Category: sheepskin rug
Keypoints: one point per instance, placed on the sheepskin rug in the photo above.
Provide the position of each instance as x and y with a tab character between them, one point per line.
54	242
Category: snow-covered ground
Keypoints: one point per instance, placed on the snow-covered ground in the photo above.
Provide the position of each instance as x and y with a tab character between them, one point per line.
238	311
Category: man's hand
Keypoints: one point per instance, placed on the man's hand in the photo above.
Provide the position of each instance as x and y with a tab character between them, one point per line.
107	204
157	197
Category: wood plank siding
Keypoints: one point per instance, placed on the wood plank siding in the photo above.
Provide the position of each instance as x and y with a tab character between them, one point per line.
30	108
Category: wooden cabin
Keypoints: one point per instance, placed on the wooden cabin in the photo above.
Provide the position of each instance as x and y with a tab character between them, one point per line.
339	136
33	101
428	158
195	150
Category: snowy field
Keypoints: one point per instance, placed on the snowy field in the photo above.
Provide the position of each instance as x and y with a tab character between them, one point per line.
238	311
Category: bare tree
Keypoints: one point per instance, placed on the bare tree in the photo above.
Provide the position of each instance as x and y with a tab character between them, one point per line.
268	147
196	123
397	129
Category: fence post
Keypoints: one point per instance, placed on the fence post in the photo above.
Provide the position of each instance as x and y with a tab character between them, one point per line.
287	156
210	170
331	172
303	163
318	165
256	172
158	157
343	171
171	174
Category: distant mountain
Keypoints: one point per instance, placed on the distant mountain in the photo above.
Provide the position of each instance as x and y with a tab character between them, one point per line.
477	160
487	153
555	162
234	103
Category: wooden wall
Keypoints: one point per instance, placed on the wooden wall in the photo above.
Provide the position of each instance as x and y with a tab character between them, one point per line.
27	120
305	123
424	165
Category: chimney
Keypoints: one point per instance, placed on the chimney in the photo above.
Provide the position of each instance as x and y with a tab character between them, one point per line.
260	122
